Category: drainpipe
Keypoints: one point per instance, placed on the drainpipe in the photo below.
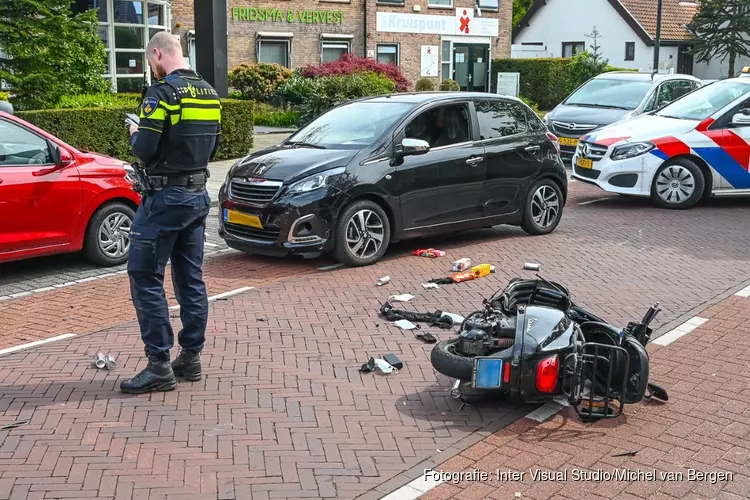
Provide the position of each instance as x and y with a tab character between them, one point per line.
364	29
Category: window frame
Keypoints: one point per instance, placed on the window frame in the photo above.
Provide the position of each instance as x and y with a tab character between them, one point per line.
630	47
287	40
495	8
335	43
574	44
506	102
389	44
392	3
45	140
431	5
468	106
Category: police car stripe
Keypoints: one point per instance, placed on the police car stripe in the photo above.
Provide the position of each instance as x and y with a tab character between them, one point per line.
609	141
737	148
726	166
671	146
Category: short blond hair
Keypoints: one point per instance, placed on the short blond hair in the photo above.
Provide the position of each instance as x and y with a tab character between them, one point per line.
165	42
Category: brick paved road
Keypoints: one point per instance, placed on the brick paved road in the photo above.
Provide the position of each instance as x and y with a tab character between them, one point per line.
283	411
704	427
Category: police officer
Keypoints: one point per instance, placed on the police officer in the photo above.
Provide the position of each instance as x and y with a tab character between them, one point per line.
178	135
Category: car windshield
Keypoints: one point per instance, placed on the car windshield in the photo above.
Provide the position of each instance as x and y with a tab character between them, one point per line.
351	126
610	93
706	101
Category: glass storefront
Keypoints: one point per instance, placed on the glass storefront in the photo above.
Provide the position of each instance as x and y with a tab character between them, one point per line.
125	27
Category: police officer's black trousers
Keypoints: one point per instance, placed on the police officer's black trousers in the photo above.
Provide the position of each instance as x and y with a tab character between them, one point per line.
169	224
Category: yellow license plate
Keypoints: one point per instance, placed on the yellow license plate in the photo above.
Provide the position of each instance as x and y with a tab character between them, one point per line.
584	163
242	219
568	141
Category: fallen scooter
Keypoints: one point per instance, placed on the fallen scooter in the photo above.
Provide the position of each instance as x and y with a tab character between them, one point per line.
532	341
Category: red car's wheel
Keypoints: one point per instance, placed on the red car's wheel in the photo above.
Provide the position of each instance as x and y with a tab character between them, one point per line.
107	241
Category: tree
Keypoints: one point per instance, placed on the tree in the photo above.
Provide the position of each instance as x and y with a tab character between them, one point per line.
722	29
595	35
520	7
587	64
49	52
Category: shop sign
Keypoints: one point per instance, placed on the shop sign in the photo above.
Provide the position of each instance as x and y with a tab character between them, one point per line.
430	61
462	23
272	14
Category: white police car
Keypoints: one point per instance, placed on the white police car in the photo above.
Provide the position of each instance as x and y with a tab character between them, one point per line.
695	147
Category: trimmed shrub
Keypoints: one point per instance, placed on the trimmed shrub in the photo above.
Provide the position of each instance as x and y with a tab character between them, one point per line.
450	85
107	100
425	85
258	81
350	64
103	130
545	81
265	114
312	97
583	66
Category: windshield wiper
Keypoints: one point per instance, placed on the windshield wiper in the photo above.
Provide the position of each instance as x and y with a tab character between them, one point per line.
304	144
587	105
674	117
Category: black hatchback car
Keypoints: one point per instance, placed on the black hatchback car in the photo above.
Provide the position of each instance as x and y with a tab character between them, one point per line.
377	170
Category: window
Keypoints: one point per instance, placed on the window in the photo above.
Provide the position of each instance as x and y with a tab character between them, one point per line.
274	51
445	61
706	101
611	93
630	51
331	51
673	90
387	53
390	2
489	4
440	3
18	146
353	125
441	126
500	119
569	49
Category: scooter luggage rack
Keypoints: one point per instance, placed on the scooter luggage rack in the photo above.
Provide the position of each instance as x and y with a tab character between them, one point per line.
594	406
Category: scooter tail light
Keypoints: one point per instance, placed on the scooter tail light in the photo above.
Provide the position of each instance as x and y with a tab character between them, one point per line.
552	137
547	372
506	373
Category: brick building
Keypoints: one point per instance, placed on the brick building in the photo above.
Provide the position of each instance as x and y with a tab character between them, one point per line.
431	38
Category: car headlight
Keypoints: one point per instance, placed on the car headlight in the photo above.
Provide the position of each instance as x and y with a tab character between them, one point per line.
631	150
315	181
546	119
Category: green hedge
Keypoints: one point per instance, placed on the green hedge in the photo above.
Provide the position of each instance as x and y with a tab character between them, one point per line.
544	81
103	130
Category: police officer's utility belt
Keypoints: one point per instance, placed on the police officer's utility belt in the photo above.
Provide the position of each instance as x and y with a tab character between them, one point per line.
163	181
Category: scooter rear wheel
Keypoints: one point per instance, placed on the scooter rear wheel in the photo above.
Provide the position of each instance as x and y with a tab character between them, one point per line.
446	361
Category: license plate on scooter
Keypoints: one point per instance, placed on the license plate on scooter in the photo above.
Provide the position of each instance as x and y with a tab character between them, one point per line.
487	373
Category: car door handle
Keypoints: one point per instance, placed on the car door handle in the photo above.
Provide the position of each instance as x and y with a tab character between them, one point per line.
474	160
532	148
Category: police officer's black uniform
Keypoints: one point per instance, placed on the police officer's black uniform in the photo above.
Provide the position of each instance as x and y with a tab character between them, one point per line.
180	123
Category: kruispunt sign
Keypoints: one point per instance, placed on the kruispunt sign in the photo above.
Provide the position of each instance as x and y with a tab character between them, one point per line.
272	14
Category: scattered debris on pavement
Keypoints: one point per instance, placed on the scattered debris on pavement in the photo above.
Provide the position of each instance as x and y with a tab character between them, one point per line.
405	324
626	454
106	361
405	297
13	425
381	365
384	280
461	265
426	337
532	266
437	318
430	253
428	286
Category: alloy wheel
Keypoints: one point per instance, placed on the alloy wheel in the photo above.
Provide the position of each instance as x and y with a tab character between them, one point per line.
545	206
675	184
114	235
364	234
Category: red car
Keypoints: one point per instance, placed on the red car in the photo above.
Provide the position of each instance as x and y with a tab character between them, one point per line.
56	199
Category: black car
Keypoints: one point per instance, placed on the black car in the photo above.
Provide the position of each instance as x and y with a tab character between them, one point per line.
377	170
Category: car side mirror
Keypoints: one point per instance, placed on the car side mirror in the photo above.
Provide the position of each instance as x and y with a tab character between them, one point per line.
412	147
741	119
60	157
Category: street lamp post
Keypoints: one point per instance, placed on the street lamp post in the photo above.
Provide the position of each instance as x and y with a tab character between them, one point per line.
657	40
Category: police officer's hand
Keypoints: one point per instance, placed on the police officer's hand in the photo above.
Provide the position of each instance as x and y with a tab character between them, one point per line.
133	129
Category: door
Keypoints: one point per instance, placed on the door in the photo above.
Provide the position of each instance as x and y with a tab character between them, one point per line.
444	185
732	159
513	154
40	204
471	66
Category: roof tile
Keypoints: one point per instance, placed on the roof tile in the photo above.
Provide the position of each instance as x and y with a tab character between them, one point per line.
673	20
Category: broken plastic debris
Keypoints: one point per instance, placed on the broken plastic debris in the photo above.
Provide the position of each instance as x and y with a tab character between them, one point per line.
405	324
457	318
384	366
431	253
428	286
385	279
406	297
561	400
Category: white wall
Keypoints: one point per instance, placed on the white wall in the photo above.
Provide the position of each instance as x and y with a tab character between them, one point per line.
717	69
570	20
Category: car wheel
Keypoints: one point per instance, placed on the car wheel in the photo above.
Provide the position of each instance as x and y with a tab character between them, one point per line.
363	232
677	185
544	208
107	241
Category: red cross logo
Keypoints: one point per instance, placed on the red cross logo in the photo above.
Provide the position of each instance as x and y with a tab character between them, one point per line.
429	51
464	23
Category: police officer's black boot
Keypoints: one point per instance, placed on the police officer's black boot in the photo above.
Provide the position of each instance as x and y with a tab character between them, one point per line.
157	376
188	366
